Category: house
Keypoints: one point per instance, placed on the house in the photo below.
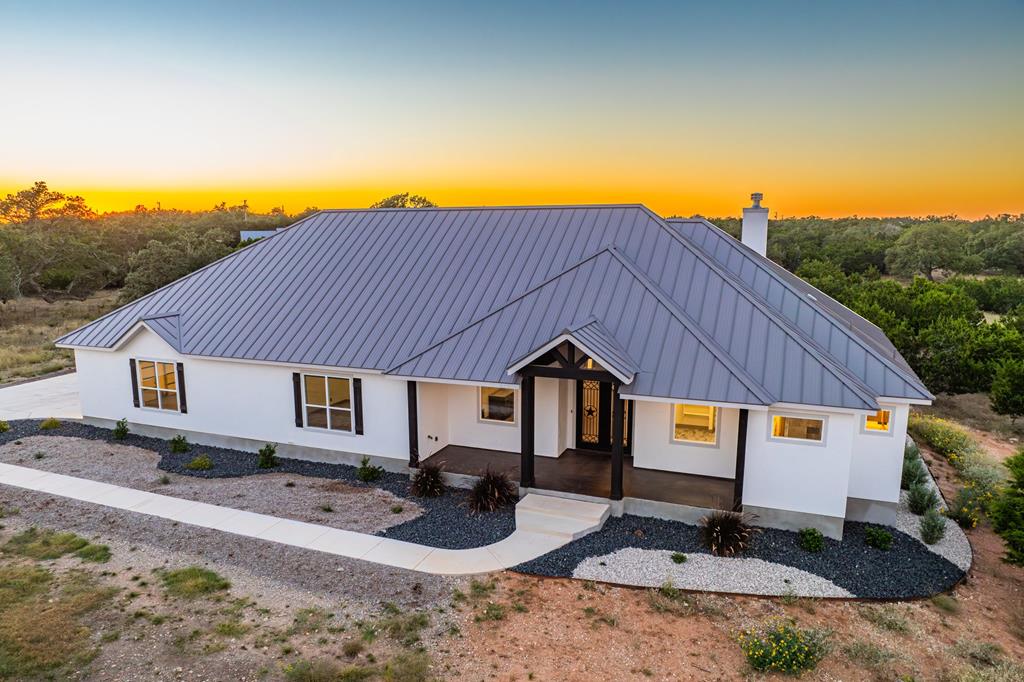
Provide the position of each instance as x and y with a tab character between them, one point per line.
253	235
598	351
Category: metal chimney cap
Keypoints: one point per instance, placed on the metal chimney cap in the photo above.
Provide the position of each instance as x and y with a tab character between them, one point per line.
756	198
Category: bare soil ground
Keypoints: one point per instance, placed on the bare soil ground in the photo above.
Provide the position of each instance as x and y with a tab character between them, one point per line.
1000	436
28	327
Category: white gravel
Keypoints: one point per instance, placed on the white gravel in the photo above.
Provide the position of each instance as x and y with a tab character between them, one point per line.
954	545
653	568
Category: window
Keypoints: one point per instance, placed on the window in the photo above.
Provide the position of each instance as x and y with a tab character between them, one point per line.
695	424
158	385
498	405
879	422
798	428
328	402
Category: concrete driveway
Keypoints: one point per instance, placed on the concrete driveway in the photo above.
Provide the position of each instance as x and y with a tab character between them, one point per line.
53	397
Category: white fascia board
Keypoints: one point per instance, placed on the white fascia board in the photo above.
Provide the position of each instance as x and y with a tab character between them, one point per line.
903	401
828	409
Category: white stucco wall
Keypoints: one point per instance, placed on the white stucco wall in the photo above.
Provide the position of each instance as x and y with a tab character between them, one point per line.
653	447
794	476
465	427
876	464
245	400
432	403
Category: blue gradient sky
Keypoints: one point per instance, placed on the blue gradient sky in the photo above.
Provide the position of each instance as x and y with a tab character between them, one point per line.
828	108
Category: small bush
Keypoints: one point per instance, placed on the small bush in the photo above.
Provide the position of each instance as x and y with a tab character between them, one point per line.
1007	511
193	582
886	617
99	554
367	472
946	603
353	647
268	457
933	526
397	509
49	424
493	491
165	480
428	481
911	451
879	538
868	654
913	473
727	533
4	426
120	431
966	507
783	648
811	540
200	463
678	558
180	444
921	497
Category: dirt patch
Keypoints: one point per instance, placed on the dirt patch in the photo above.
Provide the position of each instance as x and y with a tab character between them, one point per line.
972	411
314	500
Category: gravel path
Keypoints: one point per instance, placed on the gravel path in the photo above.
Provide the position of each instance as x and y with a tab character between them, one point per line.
445	521
907	570
270	570
653	568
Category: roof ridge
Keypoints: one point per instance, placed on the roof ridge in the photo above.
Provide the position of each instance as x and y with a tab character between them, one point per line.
435	344
743	250
187	277
522	207
705	339
864	391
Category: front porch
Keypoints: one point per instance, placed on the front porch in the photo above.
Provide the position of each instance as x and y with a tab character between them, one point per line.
584	472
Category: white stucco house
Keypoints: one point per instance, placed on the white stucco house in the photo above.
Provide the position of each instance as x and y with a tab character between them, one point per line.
592	351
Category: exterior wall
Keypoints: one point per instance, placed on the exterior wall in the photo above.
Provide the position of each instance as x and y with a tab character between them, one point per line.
466	428
653	447
877	462
244	400
811	478
432	403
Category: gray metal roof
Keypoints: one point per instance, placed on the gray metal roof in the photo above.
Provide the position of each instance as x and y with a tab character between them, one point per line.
461	293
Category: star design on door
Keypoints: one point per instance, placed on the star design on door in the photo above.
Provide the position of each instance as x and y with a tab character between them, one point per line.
590	411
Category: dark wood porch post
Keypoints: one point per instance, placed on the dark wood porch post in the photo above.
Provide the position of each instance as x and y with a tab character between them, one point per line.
618	419
526	429
741	461
414	428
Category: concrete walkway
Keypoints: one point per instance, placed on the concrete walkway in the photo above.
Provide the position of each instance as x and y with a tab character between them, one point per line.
549	525
53	397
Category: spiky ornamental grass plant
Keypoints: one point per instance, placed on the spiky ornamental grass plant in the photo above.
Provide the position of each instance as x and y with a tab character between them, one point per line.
727	533
428	481
493	491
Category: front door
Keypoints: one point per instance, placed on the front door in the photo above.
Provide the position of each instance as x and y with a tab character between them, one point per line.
594	416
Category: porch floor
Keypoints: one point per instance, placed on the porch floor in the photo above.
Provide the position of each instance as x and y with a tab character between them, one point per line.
585	472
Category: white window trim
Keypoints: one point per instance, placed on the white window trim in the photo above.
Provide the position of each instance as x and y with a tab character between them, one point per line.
796	415
480	402
693	443
875	432
177	387
351	396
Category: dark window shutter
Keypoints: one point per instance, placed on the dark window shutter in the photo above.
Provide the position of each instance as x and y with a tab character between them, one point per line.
297	386
182	404
135	383
357	404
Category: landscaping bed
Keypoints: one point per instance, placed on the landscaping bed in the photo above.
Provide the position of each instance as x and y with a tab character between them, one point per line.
444	521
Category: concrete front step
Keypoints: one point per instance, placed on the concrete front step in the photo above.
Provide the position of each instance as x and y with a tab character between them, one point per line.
559	517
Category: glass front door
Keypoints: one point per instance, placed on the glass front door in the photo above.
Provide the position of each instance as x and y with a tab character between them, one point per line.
594	416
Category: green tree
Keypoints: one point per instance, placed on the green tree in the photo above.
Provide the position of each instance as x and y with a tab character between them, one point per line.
10	278
404	200
925	248
1007	394
160	263
1007	510
39	202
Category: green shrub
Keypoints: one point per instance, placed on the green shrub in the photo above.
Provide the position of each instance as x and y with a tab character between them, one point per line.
99	554
4	426
200	463
879	538
913	473
268	457
428	481
180	444
966	507
811	540
678	558
49	424
492	491
1007	511
120	431
783	648
193	582
367	472
943	437
911	451
933	526
921	497
727	533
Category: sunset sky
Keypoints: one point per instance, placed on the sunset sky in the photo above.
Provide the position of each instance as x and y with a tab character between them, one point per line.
873	108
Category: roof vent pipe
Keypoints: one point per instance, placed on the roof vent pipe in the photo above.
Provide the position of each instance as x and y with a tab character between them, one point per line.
755	225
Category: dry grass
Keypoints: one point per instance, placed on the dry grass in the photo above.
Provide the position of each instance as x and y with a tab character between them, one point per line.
974	410
28	327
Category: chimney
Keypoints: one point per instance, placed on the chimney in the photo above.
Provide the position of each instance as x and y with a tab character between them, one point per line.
755	225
